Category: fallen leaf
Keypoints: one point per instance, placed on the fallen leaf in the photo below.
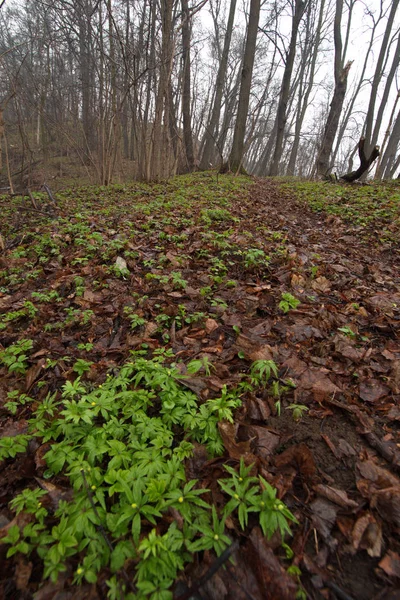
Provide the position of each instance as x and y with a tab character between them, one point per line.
23	572
299	456
236	450
265	442
321	284
334	495
272	577
121	263
323	517
390	563
372	390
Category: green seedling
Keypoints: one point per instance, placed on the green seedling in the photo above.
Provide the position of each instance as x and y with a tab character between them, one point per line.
14	357
288	302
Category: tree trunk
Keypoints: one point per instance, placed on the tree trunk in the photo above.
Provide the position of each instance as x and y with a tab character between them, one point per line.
304	98
389	155
211	134
281	115
158	133
365	162
378	75
186	92
236	155
341	74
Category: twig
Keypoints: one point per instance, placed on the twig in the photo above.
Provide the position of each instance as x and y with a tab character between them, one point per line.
338	591
217	564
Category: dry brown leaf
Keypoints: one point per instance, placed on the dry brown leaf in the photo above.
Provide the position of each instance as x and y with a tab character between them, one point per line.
23	572
300	457
236	450
372	390
334	495
323	519
367	535
266	441
211	325
297	281
272	577
321	284
390	563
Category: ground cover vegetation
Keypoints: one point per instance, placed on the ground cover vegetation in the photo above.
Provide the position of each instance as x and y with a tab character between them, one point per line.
199	391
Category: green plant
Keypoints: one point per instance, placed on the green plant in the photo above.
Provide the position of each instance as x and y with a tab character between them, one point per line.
81	366
16	399
177	280
14	357
348	332
194	366
135	319
288	302
48	297
79	283
255	495
11	446
88	346
121	445
28	310
298	410
255	257
261	371
219	302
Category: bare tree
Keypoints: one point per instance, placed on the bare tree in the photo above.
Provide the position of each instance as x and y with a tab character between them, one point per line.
371	132
186	86
211	132
341	74
281	114
236	154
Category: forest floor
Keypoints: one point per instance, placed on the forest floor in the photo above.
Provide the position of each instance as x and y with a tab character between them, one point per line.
152	335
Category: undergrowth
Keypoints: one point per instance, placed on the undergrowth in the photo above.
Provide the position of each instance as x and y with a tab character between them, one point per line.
122	447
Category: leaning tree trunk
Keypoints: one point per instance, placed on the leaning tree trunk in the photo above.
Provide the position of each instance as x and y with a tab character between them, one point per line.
365	162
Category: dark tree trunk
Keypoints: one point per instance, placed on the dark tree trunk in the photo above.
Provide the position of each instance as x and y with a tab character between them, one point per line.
281	115
332	122
341	74
186	92
212	128
236	155
365	162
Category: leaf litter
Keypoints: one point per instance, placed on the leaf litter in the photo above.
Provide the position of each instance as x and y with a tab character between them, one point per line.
200	265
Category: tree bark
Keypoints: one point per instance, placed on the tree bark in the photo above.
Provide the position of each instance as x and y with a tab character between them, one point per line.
365	162
341	75
211	134
236	155
304	97
378	75
186	91
281	115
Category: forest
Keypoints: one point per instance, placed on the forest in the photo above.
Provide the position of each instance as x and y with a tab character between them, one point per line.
148	89
199	300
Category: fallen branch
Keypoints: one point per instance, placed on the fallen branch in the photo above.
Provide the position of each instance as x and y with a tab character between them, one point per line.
365	161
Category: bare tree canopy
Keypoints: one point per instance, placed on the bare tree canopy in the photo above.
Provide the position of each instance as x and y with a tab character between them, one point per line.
147	89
